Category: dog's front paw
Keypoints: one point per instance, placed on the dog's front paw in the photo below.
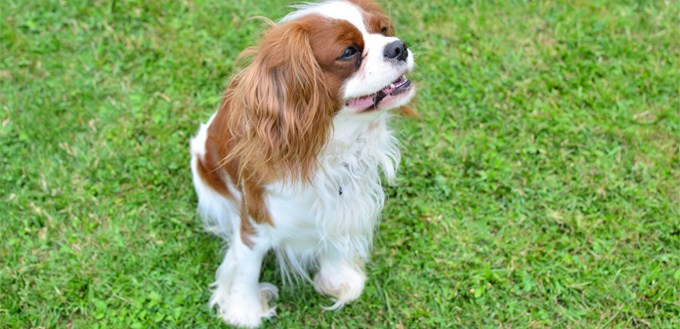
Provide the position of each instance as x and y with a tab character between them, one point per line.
345	284
245	310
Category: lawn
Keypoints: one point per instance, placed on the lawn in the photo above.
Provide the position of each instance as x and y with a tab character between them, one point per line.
539	189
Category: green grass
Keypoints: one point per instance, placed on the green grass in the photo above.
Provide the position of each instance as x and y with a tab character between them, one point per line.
540	189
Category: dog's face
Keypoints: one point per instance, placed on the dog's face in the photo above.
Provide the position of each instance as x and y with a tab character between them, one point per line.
363	63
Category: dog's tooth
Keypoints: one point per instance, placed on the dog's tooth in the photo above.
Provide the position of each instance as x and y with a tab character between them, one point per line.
391	85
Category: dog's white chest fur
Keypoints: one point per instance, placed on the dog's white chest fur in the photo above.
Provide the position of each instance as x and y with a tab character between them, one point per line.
338	212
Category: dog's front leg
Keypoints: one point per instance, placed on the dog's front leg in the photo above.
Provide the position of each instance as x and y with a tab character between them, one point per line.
240	299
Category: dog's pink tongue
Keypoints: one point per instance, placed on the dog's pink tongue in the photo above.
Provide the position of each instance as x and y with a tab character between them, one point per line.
361	102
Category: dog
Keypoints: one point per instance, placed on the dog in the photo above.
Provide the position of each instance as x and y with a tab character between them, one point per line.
293	158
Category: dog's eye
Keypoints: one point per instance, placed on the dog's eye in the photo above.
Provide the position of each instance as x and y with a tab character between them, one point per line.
383	31
349	53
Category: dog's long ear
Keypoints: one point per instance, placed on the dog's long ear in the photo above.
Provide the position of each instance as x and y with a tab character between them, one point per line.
281	109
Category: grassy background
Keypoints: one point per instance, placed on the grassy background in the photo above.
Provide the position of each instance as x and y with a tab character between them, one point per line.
540	189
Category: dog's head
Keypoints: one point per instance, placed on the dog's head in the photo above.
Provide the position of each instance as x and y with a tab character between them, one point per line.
321	60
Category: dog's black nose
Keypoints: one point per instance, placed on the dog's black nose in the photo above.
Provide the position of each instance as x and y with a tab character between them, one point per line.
396	50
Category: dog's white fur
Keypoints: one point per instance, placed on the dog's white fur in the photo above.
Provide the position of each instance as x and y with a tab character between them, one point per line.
326	225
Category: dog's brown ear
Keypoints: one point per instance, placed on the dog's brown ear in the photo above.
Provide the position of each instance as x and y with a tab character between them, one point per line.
282	110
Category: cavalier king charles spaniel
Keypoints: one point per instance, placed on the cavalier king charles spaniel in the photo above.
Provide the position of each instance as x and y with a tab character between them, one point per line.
293	158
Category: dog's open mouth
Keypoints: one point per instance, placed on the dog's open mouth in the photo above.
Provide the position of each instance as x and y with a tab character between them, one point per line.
371	101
